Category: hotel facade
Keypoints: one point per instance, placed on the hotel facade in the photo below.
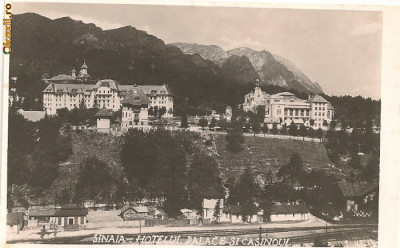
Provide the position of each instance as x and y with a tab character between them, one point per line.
64	91
285	107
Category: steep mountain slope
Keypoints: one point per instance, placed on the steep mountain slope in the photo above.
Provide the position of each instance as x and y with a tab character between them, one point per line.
124	54
271	69
239	70
299	75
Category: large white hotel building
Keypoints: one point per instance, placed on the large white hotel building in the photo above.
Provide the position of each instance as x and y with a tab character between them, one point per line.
285	107
70	91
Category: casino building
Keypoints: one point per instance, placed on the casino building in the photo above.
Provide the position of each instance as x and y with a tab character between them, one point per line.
73	91
285	107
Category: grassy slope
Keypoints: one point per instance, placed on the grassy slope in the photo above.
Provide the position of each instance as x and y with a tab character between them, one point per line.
263	154
105	147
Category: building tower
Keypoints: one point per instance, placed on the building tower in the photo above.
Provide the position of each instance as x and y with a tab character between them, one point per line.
83	71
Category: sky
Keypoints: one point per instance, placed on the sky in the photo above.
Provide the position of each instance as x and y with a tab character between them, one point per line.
339	49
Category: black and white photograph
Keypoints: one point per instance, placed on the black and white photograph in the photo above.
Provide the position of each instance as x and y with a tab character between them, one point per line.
193	125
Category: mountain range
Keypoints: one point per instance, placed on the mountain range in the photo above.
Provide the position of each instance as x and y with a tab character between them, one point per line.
130	56
272	69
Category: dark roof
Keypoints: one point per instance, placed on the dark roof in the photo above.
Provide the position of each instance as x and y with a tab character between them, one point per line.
42	212
136	97
15	218
84	66
317	98
237	209
137	209
288	209
356	189
104	113
112	84
64	211
126	207
71	210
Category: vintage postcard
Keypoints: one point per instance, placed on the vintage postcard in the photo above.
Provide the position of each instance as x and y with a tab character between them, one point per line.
202	123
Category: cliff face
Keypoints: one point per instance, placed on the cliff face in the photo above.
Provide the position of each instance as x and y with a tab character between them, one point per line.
271	69
239	70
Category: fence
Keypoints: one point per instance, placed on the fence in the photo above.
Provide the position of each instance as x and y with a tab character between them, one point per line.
95	225
156	222
135	223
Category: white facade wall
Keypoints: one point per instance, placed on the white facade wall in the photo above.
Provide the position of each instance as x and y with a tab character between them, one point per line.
103	97
103	123
285	106
129	116
289	217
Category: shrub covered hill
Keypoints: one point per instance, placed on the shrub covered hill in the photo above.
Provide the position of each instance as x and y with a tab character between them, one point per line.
125	54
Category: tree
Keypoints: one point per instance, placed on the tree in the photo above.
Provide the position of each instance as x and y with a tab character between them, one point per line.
293	169
151	111
293	129
203	123
217	211
94	180
260	113
224	124
332	125
284	129
312	122
203	179
155	162
161	112
325	123
21	138
264	128
213	123
255	125
234	138
274	129
311	132
184	120
247	193
319	133
303	131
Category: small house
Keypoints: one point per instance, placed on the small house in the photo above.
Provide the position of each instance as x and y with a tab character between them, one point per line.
103	117
355	194
209	208
234	214
289	213
129	212
69	216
